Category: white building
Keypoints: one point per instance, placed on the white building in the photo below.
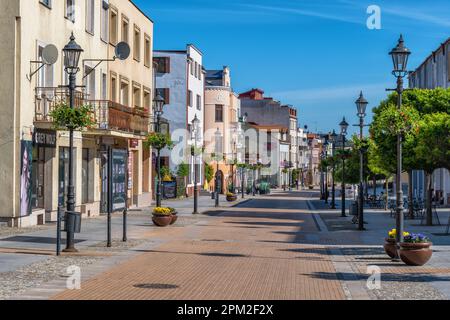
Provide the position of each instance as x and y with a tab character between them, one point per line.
180	80
434	72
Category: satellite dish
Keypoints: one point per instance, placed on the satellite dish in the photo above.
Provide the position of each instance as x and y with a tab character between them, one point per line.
122	51
50	54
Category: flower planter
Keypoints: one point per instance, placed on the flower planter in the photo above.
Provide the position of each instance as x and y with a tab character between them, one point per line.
174	218
415	254
390	248
231	198
162	221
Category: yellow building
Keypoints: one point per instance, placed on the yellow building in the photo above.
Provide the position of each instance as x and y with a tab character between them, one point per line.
222	112
34	157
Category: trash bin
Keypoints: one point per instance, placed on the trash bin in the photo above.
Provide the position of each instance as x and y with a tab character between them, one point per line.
354	208
72	222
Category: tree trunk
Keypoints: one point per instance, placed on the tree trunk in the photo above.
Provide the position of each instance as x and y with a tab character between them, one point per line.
374	187
429	200
386	204
410	195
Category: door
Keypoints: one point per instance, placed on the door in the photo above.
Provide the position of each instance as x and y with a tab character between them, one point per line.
37	178
63	179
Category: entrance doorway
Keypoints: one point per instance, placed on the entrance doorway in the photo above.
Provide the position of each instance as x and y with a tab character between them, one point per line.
63	180
37	178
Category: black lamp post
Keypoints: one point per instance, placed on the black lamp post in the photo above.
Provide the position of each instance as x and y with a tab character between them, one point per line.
400	55
333	187
158	105
326	171
344	127
195	129
218	137
243	121
72	52
361	105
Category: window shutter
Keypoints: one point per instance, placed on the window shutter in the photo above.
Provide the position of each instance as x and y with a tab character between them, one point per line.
167	96
167	65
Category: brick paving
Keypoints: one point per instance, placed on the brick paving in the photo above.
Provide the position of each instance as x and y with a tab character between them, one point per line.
240	253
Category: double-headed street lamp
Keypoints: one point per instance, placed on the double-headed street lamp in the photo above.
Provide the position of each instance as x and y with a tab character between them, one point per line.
158	106
400	55
344	126
72	52
361	105
326	169
195	134
333	137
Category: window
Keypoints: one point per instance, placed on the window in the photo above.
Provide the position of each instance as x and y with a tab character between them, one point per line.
165	94
219	113
89	81
85	176
45	75
192	67
147	99
70	10
199	102
196	70
90	13
190	99
113	26
162	64
125	29
124	92
113	88
47	3
200	72
448	65
137	95
104	86
137	43
104	19
147	50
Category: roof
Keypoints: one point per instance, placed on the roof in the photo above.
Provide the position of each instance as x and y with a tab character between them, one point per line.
432	54
214	78
140	10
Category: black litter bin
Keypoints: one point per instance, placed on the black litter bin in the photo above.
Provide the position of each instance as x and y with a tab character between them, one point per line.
354	208
72	222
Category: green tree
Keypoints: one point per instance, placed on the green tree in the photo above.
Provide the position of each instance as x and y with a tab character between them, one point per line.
209	172
432	150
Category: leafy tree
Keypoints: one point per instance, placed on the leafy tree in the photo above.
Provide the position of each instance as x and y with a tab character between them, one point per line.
433	149
209	172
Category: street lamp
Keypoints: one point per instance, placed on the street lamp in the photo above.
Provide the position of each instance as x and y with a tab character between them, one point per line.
326	170
344	127
361	105
400	55
158	105
72	52
195	129
243	121
218	137
333	187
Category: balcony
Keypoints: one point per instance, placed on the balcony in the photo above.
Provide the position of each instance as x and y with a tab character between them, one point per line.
46	98
109	115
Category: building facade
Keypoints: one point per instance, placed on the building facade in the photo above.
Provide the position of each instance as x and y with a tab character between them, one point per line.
434	72
180	80
222	114
33	156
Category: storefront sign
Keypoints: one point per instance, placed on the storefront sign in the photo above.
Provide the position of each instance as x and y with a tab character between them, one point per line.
44	138
169	189
134	143
119	179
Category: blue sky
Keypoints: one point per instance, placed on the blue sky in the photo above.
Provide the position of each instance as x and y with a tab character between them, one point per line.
316	55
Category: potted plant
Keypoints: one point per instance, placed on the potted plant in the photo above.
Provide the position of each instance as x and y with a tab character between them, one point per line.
231	197
415	250
162	217
174	214
390	244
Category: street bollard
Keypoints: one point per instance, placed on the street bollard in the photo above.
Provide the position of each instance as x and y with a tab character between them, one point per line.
125	212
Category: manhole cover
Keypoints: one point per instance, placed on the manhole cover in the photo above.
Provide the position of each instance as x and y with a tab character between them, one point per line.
160	286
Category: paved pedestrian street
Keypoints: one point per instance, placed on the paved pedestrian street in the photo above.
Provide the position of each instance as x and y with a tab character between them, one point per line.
284	246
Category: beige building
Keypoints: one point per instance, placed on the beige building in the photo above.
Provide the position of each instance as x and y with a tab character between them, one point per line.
222	111
34	157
